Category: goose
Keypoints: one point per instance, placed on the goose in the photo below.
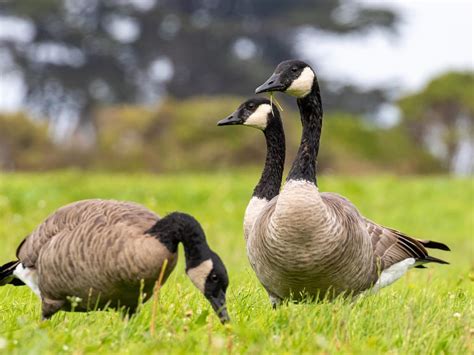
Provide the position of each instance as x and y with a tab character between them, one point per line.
94	254
259	113
308	245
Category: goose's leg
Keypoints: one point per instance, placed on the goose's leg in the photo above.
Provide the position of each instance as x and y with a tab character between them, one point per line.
50	307
275	300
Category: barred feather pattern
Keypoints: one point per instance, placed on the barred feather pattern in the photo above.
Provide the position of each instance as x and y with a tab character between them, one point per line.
305	243
96	250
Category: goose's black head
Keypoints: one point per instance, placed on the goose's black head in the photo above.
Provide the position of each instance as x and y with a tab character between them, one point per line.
256	112
293	77
204	267
210	277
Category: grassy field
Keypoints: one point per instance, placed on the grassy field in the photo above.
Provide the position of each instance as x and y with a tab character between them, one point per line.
427	311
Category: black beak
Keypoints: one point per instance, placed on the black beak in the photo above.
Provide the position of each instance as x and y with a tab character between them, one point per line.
218	304
231	120
272	84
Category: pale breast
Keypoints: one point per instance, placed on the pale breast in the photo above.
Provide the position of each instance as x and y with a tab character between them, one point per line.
300	244
253	210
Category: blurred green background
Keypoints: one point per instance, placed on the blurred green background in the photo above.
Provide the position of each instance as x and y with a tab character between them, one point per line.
181	135
138	85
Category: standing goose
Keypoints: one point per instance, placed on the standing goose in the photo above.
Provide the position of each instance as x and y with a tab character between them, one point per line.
105	252
306	243
259	113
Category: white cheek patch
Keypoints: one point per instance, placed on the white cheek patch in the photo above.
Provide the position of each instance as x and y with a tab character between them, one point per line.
302	86
258	119
199	274
29	277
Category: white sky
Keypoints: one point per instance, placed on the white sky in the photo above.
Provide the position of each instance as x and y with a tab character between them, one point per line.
434	36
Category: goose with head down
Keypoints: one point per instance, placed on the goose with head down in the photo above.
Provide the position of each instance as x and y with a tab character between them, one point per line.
308	244
109	254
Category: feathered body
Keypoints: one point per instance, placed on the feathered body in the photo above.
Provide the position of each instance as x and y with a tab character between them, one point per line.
305	243
298	248
94	254
99	251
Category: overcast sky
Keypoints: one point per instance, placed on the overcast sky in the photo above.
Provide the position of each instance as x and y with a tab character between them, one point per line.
434	36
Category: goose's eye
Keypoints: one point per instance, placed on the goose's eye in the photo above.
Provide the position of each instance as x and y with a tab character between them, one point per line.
251	106
294	69
214	278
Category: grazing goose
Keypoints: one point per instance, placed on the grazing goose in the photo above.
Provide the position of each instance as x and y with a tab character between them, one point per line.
310	244
259	113
104	252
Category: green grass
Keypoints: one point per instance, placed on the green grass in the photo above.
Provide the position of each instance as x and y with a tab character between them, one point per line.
427	311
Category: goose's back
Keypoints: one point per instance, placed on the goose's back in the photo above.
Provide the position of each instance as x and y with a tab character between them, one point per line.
96	250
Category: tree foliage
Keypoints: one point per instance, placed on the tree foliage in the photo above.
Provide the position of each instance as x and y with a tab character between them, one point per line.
83	53
441	117
182	135
25	144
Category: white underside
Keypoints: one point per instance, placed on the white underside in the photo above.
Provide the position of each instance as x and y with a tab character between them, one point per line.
252	212
393	273
29	277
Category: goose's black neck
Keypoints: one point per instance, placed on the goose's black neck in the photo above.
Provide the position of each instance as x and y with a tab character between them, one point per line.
182	228
270	180
311	113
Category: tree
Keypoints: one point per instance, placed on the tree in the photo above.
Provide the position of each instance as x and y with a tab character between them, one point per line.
77	54
441	117
25	144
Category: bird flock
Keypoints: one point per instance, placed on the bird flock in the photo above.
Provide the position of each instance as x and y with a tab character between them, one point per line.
303	244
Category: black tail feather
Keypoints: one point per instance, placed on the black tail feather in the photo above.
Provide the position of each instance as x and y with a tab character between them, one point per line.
434	245
16	282
6	274
432	259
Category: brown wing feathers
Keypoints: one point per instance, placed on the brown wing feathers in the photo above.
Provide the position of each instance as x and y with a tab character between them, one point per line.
421	244
393	246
